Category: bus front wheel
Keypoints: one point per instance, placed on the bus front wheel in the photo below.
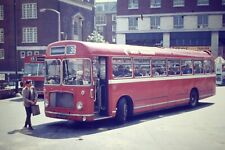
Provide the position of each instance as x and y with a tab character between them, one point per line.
193	98
122	111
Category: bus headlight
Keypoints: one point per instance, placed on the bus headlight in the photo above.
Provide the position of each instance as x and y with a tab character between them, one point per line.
46	103
79	105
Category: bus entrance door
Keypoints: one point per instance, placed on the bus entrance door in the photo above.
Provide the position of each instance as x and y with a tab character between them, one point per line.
101	103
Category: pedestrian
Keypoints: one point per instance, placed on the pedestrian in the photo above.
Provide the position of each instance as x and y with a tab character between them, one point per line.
28	102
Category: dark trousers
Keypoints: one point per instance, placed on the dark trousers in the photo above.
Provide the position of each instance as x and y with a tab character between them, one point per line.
28	117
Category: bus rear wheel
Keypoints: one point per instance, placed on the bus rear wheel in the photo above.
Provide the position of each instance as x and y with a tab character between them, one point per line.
193	98
122	111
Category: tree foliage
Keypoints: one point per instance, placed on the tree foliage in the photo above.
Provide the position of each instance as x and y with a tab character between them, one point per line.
95	37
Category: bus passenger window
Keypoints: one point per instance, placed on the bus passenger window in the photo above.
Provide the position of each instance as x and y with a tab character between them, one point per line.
158	68
173	67
198	67
122	67
142	67
186	67
208	67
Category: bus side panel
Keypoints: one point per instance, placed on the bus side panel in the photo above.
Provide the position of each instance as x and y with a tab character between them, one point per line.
205	86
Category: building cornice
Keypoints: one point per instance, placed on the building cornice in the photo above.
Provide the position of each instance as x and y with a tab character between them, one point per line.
78	3
171	30
173	14
31	48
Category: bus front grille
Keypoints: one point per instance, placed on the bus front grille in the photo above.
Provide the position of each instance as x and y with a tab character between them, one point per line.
61	99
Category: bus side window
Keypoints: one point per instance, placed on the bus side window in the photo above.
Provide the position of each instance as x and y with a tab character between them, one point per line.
159	68
208	67
186	66
198	67
142	67
122	67
173	67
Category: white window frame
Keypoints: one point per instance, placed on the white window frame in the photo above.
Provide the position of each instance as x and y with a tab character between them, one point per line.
29	35
203	21
132	23
178	3
155	4
113	27
223	20
22	54
155	22
100	29
2	54
179	21
36	53
29	53
133	4
113	17
1	12
29	11
114	38
1	35
202	2
100	19
100	8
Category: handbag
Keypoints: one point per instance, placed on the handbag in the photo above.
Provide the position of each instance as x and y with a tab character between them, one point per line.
35	110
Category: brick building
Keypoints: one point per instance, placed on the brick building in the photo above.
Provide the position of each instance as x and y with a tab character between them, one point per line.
35	29
195	24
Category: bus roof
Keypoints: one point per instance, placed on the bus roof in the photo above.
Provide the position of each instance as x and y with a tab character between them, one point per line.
105	49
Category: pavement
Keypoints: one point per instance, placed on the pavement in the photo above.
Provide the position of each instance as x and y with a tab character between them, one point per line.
174	129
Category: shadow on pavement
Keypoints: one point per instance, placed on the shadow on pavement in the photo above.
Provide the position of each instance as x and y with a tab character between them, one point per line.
70	129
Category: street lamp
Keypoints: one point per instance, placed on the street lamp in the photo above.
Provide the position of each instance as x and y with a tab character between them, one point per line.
42	10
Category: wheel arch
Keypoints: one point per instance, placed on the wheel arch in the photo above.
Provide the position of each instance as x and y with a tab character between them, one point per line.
129	103
196	90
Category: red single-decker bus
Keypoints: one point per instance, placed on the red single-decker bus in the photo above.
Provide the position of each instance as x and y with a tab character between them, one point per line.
91	81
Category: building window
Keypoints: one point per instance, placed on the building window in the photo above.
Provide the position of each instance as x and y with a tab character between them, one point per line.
1	12
114	38
1	35
133	23
22	54
99	7
223	20
133	4
178	22
202	21
36	52
113	17
2	55
100	29
100	19
113	27
155	4
155	22
203	2
178	3
30	35
223	2
29	53
29	11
